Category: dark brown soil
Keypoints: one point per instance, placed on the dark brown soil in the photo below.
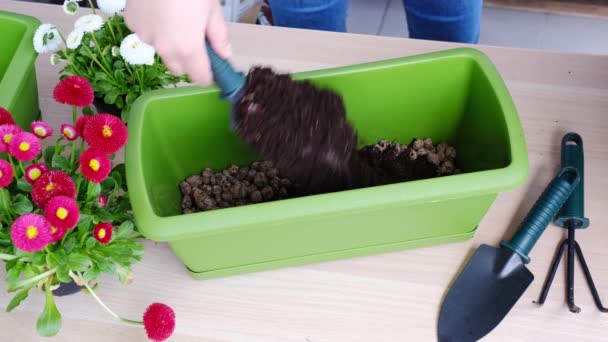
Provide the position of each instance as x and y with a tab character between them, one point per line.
233	187
389	162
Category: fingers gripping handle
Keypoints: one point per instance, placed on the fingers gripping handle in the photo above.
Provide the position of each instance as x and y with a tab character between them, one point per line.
227	78
543	211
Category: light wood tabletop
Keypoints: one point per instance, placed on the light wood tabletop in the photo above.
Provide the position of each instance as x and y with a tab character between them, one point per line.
387	297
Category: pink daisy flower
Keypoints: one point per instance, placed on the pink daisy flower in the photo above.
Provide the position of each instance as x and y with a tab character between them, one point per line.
30	232
80	123
103	232
159	322
75	91
41	129
24	146
34	171
95	166
52	184
6	173
62	212
69	132
56	234
105	133
7	132
102	201
6	117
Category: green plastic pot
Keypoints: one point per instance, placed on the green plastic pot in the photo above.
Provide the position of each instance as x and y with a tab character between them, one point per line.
456	96
18	85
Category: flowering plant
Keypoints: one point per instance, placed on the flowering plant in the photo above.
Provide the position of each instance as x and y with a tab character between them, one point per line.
103	50
65	215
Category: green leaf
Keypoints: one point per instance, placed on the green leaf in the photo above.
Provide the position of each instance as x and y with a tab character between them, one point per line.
69	244
119	173
52	260
19	297
119	75
104	87
23	185
103	215
100	76
12	276
105	265
93	191
39	259
61	162
119	64
49	321
91	274
90	242
22	205
151	73
63	273
125	229
78	262
131	97
85	220
110	97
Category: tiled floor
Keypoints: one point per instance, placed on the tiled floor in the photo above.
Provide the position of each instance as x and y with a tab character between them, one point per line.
500	27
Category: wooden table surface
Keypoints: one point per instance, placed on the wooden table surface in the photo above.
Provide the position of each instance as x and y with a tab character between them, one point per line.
387	297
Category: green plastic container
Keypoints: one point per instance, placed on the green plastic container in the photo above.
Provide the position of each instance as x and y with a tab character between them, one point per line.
455	96
18	85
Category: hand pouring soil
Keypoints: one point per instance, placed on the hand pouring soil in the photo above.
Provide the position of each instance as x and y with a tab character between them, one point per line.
495	278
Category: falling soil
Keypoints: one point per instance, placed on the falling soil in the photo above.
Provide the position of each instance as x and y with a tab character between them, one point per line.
306	146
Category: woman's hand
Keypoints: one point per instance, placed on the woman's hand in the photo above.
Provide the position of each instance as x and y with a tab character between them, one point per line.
178	29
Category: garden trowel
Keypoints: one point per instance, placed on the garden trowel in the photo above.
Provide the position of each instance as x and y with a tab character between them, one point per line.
495	278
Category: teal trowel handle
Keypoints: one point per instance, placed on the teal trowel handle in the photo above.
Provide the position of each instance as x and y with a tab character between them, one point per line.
227	78
543	211
573	211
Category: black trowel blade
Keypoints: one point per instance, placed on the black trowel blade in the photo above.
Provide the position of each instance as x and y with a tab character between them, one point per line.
483	294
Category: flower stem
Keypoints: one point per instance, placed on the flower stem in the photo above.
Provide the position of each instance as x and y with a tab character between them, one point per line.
103	305
109	21
122	35
92	6
21	168
103	58
6	203
35	279
110	75
7	257
10	159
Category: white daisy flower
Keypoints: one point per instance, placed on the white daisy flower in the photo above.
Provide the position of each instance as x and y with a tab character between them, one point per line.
115	51
47	39
55	59
88	23
70	7
111	6
74	38
136	52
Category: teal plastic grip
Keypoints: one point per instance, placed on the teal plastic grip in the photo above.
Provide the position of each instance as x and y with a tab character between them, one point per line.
543	212
573	211
230	81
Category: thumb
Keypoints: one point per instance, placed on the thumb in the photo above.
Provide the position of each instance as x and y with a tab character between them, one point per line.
217	33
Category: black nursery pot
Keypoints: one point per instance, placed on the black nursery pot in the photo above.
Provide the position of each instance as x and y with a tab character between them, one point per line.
66	289
103	107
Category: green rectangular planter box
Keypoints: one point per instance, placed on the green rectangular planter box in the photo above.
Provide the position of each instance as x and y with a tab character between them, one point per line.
18	86
455	96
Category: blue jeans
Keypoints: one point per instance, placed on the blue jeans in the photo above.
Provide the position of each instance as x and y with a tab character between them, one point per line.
445	20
